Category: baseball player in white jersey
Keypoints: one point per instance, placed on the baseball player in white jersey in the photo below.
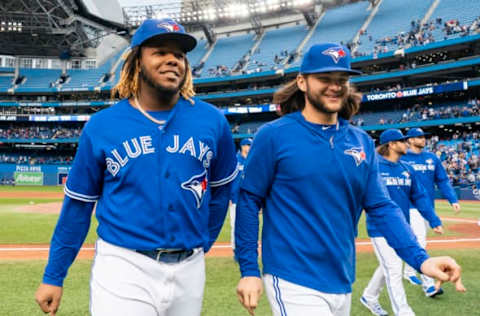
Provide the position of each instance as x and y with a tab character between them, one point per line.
404	188
159	165
430	172
312	174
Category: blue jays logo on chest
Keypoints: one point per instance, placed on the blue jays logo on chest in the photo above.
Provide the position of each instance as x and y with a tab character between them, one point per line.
198	186
357	154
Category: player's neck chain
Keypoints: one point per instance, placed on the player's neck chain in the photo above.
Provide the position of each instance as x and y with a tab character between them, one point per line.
151	118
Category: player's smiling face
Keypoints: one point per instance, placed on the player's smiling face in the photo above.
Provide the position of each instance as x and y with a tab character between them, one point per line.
326	91
163	65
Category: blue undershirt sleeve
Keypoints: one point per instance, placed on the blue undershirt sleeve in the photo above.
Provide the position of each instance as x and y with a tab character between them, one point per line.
246	233
218	210
69	235
443	182
390	221
422	202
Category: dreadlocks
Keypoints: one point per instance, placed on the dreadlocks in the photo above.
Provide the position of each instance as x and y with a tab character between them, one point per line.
128	85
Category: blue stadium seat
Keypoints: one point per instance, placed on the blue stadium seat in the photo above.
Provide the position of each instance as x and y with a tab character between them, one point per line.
275	41
461	10
393	17
196	55
227	52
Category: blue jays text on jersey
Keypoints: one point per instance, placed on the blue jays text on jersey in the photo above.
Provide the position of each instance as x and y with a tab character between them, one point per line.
313	182
152	184
430	172
405	190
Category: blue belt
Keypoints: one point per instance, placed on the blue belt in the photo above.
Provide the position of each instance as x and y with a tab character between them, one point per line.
167	255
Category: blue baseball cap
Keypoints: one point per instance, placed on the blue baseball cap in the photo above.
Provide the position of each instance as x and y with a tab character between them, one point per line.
416	132
166	29
246	141
327	57
391	135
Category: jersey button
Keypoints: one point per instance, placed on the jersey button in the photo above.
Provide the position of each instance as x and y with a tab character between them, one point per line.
167	174
170	207
172	238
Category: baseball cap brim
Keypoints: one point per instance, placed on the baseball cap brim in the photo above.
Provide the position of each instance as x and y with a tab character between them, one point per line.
331	69
394	140
187	42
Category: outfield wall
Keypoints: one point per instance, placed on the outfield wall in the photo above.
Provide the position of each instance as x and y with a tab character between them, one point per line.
34	175
57	175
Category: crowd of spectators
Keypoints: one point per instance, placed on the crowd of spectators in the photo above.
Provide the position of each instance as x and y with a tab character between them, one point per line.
460	155
36	159
418	35
39	132
424	113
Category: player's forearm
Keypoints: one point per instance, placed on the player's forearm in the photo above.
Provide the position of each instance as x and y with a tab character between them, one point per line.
246	233
218	211
70	233
425	208
448	191
390	221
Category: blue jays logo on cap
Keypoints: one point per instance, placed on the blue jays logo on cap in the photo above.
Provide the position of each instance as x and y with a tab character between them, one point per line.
198	186
171	26
327	57
336	53
166	29
357	153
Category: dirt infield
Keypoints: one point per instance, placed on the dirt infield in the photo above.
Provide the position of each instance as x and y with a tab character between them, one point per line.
467	228
31	195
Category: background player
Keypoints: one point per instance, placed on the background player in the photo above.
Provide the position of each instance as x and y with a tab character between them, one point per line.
430	172
159	163
241	158
313	173
404	188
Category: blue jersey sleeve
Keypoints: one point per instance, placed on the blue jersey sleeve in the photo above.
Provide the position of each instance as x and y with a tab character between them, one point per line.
258	174
389	219
419	198
68	237
443	183
246	233
224	166
259	169
218	208
85	179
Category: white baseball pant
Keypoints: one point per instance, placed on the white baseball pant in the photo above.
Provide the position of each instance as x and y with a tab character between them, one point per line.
127	283
232	210
389	273
290	299
419	226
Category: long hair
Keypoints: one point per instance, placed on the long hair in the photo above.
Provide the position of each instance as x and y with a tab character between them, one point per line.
292	99
128	84
383	150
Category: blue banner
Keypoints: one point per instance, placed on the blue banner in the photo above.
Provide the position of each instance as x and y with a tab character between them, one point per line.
413	92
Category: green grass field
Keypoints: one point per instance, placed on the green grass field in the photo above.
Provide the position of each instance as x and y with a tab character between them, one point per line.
19	279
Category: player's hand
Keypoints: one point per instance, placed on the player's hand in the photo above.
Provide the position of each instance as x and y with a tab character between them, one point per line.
456	208
443	269
438	230
48	298
249	290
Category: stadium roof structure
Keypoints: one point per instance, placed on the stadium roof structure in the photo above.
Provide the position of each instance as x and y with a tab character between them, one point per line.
223	12
51	28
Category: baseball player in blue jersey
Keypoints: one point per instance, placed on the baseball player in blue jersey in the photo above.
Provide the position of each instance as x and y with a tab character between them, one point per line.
404	189
430	171
313	173
158	165
241	157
